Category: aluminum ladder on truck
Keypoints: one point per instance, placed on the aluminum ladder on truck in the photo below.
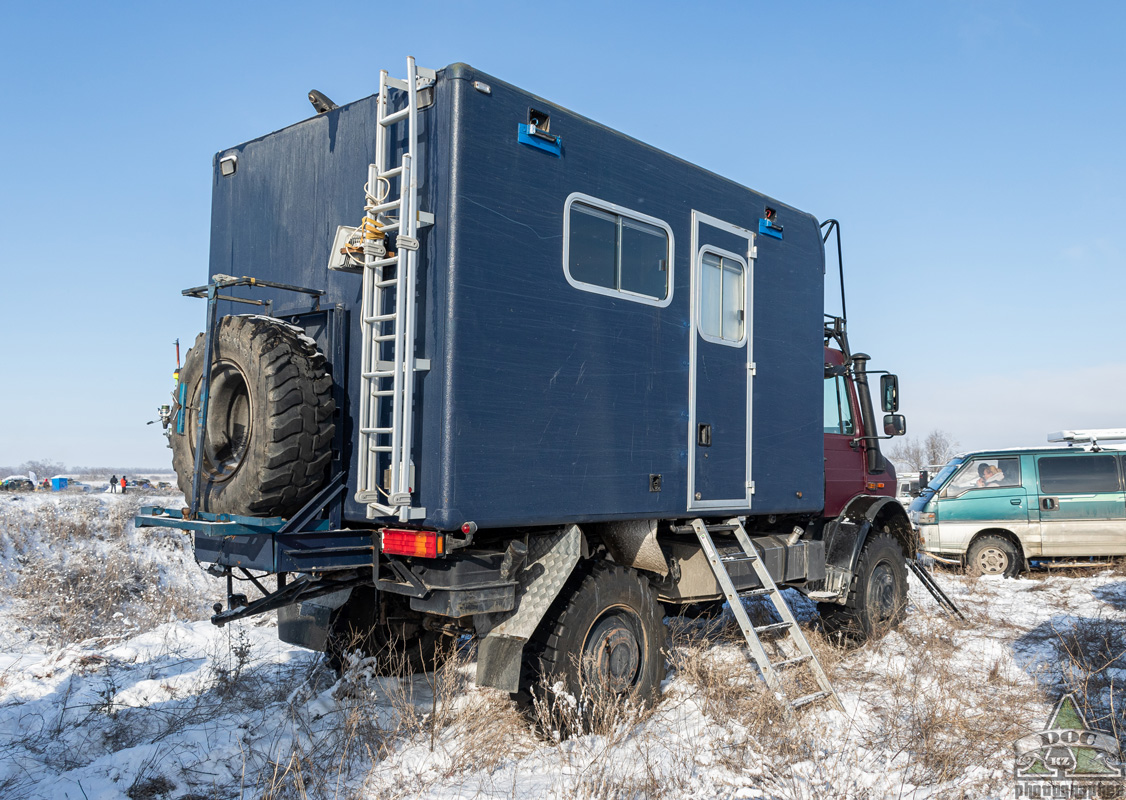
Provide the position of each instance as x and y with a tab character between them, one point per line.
388	311
800	652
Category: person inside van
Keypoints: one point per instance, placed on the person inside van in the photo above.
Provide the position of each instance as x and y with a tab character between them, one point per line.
988	475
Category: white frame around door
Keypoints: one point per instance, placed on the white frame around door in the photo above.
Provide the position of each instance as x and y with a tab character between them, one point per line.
748	258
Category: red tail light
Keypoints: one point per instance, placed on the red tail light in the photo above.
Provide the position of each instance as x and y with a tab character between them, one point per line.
425	544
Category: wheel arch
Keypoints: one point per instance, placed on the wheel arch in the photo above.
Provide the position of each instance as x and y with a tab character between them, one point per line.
848	532
846	535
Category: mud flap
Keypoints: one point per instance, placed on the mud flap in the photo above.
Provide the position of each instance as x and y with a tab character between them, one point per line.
307	623
551	559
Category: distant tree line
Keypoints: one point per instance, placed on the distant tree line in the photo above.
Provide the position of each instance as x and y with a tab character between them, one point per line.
913	455
45	468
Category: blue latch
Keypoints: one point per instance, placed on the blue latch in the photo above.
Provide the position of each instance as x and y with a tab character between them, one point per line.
768	228
544	141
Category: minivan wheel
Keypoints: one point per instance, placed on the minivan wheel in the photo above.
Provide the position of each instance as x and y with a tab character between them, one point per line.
993	555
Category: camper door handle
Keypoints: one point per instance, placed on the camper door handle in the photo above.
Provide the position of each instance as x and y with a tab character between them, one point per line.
704	435
1048	503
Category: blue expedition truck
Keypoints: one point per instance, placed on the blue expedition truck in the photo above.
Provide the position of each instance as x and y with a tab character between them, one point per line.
475	364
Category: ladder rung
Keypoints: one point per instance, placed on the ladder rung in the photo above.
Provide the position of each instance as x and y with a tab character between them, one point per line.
809	698
384	337
789	661
377	431
737	559
379	373
382	392
392	173
395	116
380	448
380	318
776	626
379	208
757	592
385	262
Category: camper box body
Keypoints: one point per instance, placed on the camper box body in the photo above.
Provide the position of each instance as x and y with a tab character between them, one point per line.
549	400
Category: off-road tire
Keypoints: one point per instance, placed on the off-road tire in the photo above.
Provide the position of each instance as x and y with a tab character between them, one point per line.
877	600
994	555
604	634
399	645
269	420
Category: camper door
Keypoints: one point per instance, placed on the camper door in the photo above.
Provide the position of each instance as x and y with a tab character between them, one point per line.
721	365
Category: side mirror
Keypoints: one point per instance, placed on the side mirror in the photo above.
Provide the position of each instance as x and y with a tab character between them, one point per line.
889	393
895	424
924	480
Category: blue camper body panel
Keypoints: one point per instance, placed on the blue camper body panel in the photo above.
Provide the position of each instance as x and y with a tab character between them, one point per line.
544	402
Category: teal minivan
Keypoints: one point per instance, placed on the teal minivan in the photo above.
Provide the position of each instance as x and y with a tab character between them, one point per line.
996	510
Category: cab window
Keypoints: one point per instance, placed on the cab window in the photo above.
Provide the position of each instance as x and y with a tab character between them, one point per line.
838	412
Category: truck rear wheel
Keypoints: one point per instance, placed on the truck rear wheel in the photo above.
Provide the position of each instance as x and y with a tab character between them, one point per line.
269	429
603	639
877	600
399	644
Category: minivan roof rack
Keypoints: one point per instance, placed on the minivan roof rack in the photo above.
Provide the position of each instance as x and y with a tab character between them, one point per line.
1092	435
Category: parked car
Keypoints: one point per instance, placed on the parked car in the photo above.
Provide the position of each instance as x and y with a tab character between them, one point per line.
995	510
907	488
17	483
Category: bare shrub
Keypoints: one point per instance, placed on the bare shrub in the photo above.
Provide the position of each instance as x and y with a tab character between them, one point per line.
1092	656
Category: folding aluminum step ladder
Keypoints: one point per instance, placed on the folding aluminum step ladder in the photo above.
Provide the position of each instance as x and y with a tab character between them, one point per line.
388	309
793	640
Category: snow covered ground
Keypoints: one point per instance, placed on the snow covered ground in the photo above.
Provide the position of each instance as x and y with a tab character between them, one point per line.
114	685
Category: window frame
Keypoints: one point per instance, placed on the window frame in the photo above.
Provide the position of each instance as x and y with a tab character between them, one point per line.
707	337
625	213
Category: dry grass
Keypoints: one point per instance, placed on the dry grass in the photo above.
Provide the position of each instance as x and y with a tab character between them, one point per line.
80	576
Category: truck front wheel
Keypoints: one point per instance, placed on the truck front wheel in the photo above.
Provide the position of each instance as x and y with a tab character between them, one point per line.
603	639
877	600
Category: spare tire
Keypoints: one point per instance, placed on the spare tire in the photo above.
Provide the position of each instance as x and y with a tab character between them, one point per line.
269	432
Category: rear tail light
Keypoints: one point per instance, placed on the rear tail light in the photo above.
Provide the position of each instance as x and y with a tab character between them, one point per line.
425	544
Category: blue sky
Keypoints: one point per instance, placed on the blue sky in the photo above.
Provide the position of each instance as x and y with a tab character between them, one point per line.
972	151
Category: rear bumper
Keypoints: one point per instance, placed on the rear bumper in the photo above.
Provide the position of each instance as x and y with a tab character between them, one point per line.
257	543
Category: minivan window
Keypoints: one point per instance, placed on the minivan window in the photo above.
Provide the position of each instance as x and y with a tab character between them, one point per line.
1078	474
986	473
